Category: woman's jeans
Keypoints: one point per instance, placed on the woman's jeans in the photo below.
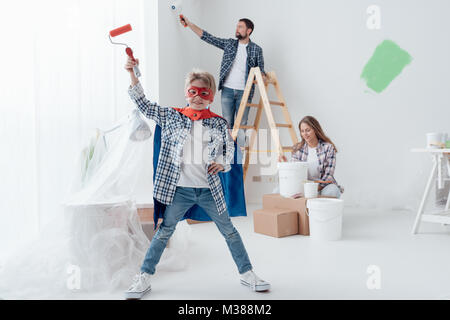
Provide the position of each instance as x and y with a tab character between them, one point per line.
331	190
184	199
231	101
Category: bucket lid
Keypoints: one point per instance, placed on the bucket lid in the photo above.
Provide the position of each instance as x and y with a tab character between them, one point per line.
292	165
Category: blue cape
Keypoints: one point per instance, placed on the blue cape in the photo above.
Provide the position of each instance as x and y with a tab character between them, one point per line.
232	185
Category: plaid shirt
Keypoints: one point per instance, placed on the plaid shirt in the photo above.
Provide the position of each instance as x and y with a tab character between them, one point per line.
255	57
175	128
326	155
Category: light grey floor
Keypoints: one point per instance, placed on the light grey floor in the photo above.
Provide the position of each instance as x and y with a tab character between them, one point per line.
411	267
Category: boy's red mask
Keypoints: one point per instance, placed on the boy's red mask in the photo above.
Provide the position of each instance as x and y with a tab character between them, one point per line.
204	93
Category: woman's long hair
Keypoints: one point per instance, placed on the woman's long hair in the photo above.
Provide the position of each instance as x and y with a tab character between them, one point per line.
315	125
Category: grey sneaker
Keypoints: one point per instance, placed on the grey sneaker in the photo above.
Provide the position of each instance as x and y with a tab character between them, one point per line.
251	280
139	287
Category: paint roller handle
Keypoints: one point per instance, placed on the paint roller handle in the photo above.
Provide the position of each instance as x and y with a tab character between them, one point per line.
130	67
184	21
136	70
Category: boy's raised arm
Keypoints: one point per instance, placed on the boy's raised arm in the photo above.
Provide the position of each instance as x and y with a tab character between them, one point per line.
149	109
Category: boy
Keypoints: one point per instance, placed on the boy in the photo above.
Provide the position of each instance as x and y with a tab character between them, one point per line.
182	183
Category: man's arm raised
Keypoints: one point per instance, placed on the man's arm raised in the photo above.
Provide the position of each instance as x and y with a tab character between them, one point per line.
185	22
205	36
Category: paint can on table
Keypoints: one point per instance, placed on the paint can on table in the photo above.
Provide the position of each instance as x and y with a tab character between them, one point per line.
434	140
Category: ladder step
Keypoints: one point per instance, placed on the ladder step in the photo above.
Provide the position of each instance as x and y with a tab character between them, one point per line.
268	81
288	149
255	105
276	103
283	125
247	127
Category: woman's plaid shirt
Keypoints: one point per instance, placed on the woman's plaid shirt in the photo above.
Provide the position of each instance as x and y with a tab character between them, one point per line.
255	57
326	154
175	128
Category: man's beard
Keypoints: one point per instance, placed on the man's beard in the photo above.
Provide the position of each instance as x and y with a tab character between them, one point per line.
239	36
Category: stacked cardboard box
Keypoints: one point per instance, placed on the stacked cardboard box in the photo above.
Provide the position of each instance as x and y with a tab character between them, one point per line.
281	217
274	201
275	222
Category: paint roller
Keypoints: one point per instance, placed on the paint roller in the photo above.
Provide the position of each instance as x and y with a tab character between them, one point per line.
119	31
177	8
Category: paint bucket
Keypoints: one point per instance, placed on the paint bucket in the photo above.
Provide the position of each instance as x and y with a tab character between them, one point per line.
325	218
291	177
311	190
434	140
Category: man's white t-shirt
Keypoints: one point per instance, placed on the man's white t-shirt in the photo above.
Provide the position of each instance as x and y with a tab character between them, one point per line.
193	164
237	76
313	164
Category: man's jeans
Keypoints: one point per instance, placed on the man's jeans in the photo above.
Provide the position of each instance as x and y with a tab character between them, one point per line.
184	199
231	101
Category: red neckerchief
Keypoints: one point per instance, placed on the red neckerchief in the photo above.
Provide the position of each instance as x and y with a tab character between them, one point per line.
196	114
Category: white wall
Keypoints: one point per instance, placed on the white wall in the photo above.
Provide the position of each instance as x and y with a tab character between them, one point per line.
318	50
178	53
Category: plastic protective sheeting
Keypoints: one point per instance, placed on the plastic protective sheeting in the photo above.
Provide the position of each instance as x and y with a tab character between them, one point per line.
95	243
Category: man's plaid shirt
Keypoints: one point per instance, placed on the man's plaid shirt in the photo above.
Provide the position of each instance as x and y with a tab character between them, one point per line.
175	128
326	154
255	57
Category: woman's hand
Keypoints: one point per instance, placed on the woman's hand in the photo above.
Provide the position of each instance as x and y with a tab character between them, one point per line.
131	64
215	168
282	158
297	195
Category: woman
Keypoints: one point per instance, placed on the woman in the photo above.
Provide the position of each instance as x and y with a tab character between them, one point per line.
320	153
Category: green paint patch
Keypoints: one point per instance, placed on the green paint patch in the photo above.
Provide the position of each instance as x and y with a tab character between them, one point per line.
387	62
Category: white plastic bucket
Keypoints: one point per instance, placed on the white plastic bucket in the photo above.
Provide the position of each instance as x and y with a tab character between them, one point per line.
433	140
325	218
311	190
291	177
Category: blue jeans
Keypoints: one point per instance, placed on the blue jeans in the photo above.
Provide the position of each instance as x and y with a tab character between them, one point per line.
184	199
331	190
231	100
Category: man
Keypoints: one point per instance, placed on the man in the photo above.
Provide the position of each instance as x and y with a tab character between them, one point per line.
240	55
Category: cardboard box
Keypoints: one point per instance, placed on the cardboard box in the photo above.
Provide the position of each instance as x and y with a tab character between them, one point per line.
189	221
275	222
276	201
145	214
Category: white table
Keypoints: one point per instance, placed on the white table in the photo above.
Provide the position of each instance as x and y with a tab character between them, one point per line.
443	217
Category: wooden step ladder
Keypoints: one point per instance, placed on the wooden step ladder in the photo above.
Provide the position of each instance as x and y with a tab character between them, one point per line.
255	77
